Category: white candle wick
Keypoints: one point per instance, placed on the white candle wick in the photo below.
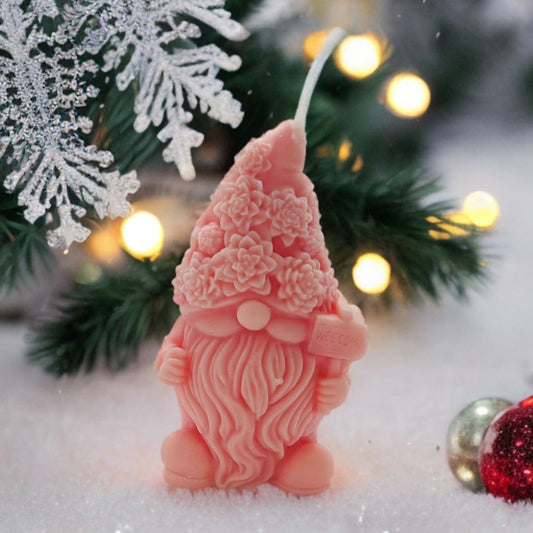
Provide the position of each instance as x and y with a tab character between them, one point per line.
334	38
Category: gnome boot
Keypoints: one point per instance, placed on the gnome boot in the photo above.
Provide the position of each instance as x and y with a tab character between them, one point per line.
189	464
306	469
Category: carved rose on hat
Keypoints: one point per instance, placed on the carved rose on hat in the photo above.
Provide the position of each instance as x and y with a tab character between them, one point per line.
245	264
210	239
290	216
243	205
253	159
302	283
195	281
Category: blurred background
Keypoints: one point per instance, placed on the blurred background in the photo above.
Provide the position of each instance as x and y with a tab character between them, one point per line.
411	78
419	147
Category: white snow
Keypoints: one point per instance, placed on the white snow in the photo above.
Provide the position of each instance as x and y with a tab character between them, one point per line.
83	454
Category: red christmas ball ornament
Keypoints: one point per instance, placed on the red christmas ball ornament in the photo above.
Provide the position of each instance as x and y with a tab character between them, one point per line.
506	453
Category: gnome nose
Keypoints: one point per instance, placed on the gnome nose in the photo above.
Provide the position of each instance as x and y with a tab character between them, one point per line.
253	315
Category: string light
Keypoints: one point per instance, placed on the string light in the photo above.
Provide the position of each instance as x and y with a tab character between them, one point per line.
104	244
358	56
313	44
407	95
371	273
482	209
358	163
345	150
142	235
450	230
325	150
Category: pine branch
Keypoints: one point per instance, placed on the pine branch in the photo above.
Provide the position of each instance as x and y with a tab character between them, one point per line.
22	245
239	9
111	318
108	320
384	207
394	216
113	117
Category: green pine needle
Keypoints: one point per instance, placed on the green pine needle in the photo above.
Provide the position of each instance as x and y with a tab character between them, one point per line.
108	320
239	9
393	216
23	245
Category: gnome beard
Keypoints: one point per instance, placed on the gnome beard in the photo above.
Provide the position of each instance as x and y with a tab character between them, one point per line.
250	396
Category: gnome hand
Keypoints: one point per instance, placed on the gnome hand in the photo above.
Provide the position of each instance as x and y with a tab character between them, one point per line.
174	368
173	340
331	392
345	310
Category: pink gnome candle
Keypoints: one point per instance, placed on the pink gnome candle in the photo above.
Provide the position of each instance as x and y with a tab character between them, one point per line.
261	350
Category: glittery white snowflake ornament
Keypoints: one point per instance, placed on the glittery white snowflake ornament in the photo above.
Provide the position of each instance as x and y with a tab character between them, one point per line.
54	172
45	8
150	43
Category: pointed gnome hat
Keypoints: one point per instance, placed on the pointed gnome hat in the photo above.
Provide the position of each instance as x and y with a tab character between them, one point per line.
260	237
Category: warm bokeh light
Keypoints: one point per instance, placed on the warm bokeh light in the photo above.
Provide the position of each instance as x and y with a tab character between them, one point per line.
450	230
482	209
325	150
371	273
313	43
358	56
407	95
104	244
358	163
142	235
345	150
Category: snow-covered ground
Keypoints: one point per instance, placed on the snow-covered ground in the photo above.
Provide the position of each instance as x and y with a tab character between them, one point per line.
83	454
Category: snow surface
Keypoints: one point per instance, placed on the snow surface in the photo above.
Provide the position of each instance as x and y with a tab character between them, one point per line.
82	454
